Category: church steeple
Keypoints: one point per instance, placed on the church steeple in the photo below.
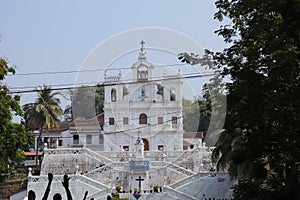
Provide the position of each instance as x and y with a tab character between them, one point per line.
142	69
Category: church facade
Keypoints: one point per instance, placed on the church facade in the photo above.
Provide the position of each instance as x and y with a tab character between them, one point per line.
143	104
136	149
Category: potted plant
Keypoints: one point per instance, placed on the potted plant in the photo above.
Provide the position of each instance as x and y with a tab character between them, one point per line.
118	188
156	188
115	196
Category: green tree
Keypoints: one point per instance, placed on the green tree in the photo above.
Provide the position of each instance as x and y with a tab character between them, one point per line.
205	111
125	91
196	115
260	143
13	136
45	112
261	139
160	90
86	102
190	115
202	114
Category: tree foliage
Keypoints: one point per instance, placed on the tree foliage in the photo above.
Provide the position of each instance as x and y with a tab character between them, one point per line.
190	115
196	114
206	113
125	91
13	136
262	129
45	112
260	144
86	102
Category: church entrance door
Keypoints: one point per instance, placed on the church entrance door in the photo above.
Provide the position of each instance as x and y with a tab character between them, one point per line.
146	144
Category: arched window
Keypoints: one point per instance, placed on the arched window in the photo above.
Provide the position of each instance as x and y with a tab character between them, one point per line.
143	118
143	92
146	144
174	120
113	95
172	95
142	73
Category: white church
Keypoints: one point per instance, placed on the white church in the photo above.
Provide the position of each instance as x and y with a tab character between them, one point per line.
139	152
158	117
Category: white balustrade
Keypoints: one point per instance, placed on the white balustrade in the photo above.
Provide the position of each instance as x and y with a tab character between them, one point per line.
177	194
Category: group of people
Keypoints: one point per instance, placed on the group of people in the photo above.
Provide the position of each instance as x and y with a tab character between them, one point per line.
57	196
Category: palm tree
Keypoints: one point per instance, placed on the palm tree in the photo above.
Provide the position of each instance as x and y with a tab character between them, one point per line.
45	112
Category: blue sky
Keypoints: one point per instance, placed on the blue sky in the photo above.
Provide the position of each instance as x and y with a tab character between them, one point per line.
39	36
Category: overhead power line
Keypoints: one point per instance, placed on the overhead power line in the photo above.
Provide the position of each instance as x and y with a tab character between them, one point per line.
89	83
86	70
95	84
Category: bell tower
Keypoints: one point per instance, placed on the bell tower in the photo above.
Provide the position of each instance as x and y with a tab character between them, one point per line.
142	69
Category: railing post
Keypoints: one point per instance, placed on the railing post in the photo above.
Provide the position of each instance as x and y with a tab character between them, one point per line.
29	172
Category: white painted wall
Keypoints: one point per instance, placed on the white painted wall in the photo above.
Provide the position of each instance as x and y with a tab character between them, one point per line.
149	103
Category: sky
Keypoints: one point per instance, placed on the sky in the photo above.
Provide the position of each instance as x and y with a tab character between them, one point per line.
56	36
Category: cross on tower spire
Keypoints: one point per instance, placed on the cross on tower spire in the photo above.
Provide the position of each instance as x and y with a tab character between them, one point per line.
142	47
142	43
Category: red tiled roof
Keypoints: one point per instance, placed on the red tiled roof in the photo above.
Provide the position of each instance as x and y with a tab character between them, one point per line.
186	143
96	121
40	153
57	130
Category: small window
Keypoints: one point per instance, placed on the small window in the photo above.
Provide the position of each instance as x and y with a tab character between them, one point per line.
143	119
142	73
113	95
125	91
75	139
160	147
40	142
111	121
174	120
125	120
88	139
46	141
60	142
160	120
53	142
101	139
143	93
172	96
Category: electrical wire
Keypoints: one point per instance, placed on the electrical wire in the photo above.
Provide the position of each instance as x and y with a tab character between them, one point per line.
95	84
87	70
89	83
